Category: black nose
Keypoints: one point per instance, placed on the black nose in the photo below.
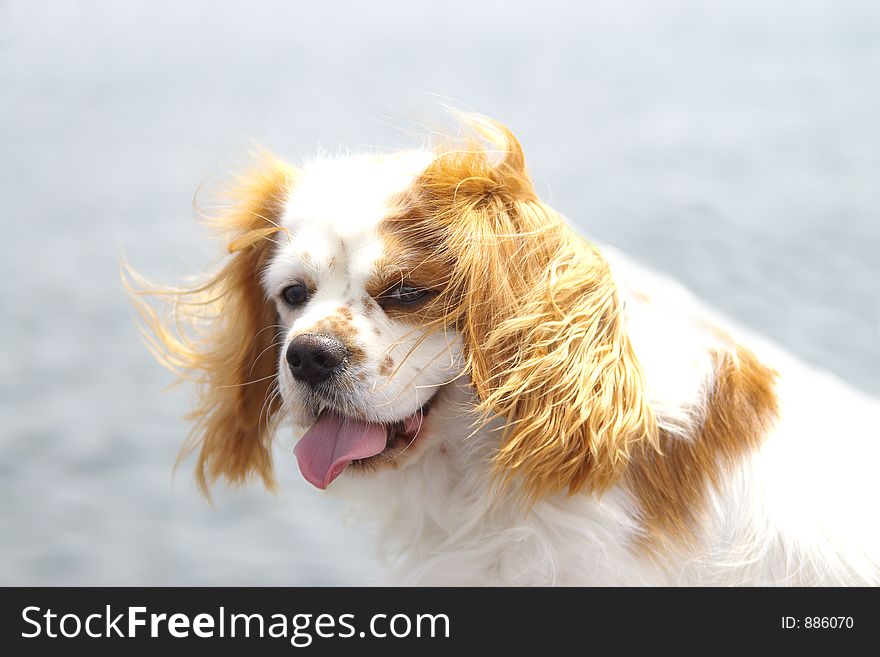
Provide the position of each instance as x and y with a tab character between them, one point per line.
313	357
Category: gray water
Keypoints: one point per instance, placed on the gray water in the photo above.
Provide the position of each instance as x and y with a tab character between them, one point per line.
734	145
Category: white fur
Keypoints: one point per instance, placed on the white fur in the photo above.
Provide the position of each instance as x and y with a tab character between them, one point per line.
799	510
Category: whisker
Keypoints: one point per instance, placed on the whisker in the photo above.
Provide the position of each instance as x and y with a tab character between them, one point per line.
267	405
412	380
247	383
275	343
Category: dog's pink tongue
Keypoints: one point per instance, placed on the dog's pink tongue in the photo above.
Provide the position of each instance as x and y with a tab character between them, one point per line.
332	443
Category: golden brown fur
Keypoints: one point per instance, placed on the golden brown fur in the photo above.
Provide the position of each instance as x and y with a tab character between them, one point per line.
545	344
671	484
220	333
538	312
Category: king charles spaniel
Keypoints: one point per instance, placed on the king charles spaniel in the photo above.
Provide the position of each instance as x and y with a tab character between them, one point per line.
509	403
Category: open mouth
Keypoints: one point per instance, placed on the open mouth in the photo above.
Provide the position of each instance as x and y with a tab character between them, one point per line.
334	442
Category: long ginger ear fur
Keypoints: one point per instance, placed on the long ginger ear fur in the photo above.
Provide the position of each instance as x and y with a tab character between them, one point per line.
541	321
220	333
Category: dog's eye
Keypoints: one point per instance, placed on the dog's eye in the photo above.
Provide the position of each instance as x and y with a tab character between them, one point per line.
295	295
406	294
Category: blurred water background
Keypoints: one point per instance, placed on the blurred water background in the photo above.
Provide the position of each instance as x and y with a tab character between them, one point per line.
734	145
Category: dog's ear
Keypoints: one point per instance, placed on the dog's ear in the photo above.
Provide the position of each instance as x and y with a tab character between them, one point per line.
540	318
221	333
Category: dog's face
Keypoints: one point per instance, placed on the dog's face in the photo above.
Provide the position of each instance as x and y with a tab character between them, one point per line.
358	289
358	368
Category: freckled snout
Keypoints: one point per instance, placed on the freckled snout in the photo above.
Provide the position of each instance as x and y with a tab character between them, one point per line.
314	357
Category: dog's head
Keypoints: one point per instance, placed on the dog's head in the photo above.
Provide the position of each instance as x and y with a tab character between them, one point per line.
359	289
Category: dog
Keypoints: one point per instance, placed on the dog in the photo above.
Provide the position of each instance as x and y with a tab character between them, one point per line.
506	402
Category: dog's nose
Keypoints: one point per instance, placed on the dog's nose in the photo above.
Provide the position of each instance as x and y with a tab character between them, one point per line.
313	357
